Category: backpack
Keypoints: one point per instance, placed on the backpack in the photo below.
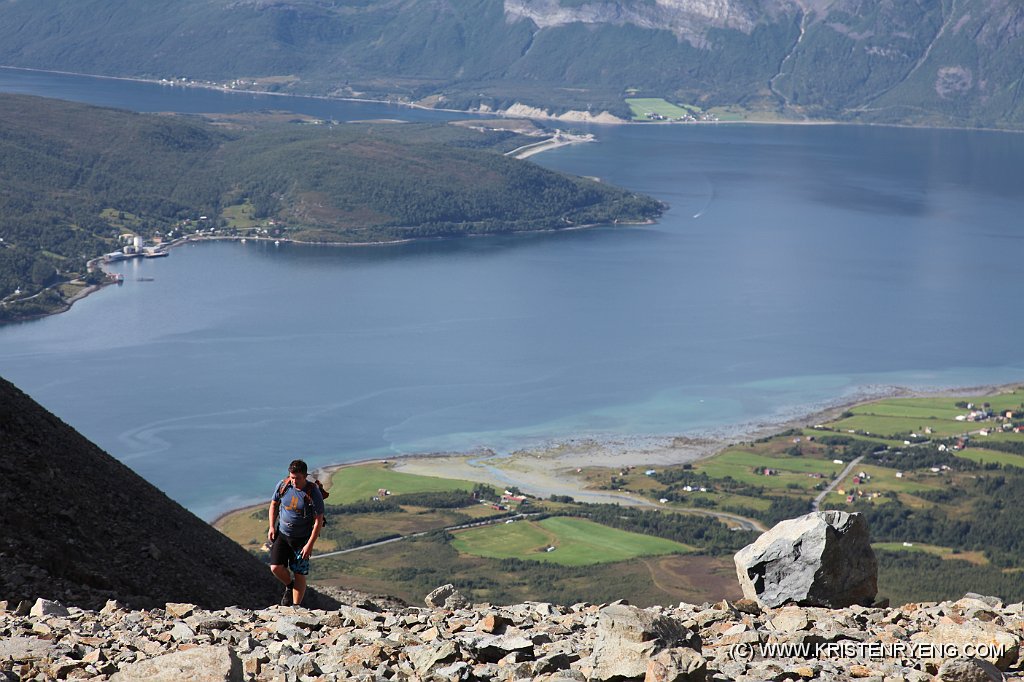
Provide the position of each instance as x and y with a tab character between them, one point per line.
287	483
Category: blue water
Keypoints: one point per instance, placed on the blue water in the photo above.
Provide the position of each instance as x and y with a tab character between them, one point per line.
797	266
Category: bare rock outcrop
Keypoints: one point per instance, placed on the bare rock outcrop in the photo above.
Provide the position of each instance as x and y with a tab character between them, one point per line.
819	559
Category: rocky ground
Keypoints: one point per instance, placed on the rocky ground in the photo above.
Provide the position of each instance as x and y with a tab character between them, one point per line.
975	638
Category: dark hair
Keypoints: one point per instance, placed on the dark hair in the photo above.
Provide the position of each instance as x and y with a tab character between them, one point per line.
297	467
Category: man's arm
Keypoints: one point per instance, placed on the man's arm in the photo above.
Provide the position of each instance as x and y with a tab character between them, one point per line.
307	550
272	519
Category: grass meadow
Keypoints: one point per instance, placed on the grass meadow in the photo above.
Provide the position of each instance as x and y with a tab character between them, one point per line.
354	483
747	467
976	558
987	456
577	542
642	106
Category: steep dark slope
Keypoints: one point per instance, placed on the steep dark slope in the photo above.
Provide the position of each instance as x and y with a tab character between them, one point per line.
80	527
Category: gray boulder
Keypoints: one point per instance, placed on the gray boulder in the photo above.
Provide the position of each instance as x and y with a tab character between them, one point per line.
819	559
44	607
677	665
446	597
203	664
969	670
629	637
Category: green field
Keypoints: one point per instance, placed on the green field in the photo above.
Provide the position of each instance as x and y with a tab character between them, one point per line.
743	466
240	216
122	220
884	479
944	552
885	425
901	415
577	542
983	456
362	482
1005	436
643	106
922	408
818	433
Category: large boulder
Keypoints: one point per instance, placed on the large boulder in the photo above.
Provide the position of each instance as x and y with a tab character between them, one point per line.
819	559
203	664
628	638
446	597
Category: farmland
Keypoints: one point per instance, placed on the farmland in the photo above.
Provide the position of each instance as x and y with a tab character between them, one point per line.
353	483
952	505
576	542
649	109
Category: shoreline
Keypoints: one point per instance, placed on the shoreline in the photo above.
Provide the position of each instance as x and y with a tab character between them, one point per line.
504	114
550	467
553	142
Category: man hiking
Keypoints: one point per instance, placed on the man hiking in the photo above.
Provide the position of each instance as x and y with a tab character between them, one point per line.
296	516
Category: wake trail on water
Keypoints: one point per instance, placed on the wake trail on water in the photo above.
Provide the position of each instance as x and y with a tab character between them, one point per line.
711	198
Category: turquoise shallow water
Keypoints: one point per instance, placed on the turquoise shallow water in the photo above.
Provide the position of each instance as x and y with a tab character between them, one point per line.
797	267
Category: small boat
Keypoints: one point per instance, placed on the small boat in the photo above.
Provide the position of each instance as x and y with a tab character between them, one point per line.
143	279
277	242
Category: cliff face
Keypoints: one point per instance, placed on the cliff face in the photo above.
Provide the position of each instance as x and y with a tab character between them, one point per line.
80	527
689	20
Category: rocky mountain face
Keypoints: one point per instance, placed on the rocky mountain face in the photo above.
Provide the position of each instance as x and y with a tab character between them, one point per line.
975	638
950	63
689	20
80	527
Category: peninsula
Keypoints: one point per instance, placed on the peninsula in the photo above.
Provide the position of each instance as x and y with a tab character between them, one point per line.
84	181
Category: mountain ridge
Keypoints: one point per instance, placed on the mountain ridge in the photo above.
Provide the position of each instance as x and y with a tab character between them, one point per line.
915	63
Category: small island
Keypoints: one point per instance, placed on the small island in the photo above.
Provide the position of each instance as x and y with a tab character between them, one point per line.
85	182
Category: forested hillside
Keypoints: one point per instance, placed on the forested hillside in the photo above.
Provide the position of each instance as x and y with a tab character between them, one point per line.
946	62
73	178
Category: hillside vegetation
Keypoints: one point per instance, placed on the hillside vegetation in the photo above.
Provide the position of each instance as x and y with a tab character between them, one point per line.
74	178
944	62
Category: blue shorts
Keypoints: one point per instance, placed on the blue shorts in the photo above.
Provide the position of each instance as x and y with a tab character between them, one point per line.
287	551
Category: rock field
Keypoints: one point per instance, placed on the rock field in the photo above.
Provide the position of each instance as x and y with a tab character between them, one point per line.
975	638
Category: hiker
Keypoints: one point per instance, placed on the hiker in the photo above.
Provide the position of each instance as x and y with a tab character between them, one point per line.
296	516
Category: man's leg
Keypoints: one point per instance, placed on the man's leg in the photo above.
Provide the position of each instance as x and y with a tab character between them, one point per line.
300	567
281	573
280	552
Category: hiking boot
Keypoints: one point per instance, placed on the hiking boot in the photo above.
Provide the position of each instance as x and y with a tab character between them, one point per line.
286	598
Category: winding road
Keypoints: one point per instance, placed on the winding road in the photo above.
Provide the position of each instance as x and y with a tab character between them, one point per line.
834	483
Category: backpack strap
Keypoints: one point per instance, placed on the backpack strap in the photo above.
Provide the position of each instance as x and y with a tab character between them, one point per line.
283	486
286	483
323	493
